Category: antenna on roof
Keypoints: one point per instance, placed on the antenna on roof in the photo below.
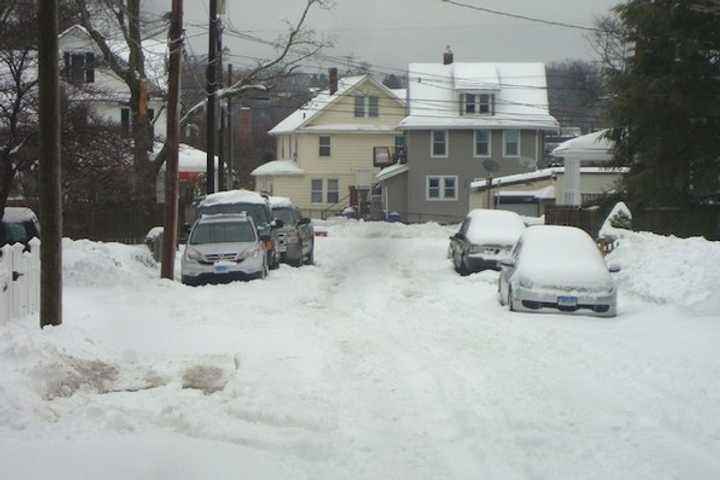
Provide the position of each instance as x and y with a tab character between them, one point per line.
449	56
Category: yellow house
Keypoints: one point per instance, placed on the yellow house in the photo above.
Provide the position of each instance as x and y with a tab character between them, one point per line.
325	149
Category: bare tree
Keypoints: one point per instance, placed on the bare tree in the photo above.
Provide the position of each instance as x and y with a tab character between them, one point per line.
609	40
124	16
18	113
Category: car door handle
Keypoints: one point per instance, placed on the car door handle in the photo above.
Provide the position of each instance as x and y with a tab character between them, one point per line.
16	276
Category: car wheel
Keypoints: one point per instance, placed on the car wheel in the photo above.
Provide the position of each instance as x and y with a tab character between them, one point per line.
274	261
300	260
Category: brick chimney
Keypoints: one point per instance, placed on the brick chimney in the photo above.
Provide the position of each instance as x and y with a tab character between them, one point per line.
448	57
245	133
333	77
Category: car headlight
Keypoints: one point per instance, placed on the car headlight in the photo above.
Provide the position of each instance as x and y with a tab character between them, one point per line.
525	282
251	253
194	255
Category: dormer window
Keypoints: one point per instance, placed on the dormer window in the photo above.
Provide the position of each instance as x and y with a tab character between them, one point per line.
80	67
477	104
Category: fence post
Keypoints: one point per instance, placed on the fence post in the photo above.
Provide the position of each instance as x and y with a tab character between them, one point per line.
5	283
34	277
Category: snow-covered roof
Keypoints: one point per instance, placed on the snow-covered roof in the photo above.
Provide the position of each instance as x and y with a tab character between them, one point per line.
391	171
347	127
594	147
280	202
190	159
19	215
520	89
231	197
546	173
400	93
494	227
302	116
278	167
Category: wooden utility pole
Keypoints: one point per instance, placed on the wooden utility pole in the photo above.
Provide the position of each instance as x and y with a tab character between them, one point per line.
211	77
221	132
50	172
229	126
175	39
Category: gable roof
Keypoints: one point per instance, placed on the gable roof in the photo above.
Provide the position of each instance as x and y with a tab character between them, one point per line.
521	99
593	147
305	114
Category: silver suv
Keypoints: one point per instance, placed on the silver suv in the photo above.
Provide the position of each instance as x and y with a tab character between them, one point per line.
296	237
223	248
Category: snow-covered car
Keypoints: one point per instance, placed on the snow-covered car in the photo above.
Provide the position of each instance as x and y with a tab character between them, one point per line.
557	268
19	225
296	239
223	248
484	238
255	205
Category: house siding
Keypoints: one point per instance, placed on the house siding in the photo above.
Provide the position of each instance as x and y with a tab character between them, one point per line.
395	195
462	163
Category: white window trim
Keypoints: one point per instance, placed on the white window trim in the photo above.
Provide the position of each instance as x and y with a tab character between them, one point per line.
332	146
442	188
519	152
322	191
432	144
327	190
490	144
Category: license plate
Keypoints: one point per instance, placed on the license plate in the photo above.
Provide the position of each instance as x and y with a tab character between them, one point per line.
567	301
221	268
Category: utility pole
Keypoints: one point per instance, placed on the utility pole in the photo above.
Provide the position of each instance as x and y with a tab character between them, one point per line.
221	132
211	76
175	38
230	146
50	172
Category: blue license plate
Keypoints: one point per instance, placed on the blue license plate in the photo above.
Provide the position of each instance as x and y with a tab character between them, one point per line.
221	268
567	301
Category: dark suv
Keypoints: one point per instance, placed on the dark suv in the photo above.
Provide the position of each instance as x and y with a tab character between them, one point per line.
19	225
296	238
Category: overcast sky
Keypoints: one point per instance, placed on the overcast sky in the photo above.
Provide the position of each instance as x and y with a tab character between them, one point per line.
393	33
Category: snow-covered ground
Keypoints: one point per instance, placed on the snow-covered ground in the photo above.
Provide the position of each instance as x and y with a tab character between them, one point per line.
378	362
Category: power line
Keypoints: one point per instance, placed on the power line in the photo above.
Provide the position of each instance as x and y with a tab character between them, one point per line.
522	17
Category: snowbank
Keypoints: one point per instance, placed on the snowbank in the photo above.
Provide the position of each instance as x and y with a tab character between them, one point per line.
87	263
342	227
669	269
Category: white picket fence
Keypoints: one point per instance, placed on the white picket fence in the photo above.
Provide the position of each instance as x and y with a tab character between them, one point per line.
19	281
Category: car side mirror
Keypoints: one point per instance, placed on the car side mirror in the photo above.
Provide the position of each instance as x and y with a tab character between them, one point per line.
304	221
507	262
614	268
277	223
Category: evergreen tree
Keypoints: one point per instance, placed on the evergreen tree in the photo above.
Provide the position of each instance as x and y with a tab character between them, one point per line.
666	102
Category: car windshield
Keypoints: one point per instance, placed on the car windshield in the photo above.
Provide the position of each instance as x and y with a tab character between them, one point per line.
14	233
222	232
258	212
284	214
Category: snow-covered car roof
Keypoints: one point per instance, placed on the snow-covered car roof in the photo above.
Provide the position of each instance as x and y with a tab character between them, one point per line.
18	215
554	256
280	202
278	167
494	227
232	197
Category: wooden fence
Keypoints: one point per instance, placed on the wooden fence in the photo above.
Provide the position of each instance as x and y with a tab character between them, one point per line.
19	280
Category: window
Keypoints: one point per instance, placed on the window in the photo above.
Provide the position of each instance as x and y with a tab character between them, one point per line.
125	121
359	106
484	103
333	190
89	67
316	190
512	143
482	143
400	148
441	188
373	106
79	67
439	143
225	232
325	147
470	106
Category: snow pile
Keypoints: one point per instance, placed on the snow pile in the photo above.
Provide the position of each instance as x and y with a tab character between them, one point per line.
669	269
232	197
341	227
87	263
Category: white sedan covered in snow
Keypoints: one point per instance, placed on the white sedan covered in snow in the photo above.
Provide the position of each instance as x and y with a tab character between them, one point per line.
555	268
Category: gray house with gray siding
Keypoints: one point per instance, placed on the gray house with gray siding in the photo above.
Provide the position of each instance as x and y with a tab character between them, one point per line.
466	121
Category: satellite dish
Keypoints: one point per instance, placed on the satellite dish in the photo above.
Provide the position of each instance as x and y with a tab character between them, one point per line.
490	165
